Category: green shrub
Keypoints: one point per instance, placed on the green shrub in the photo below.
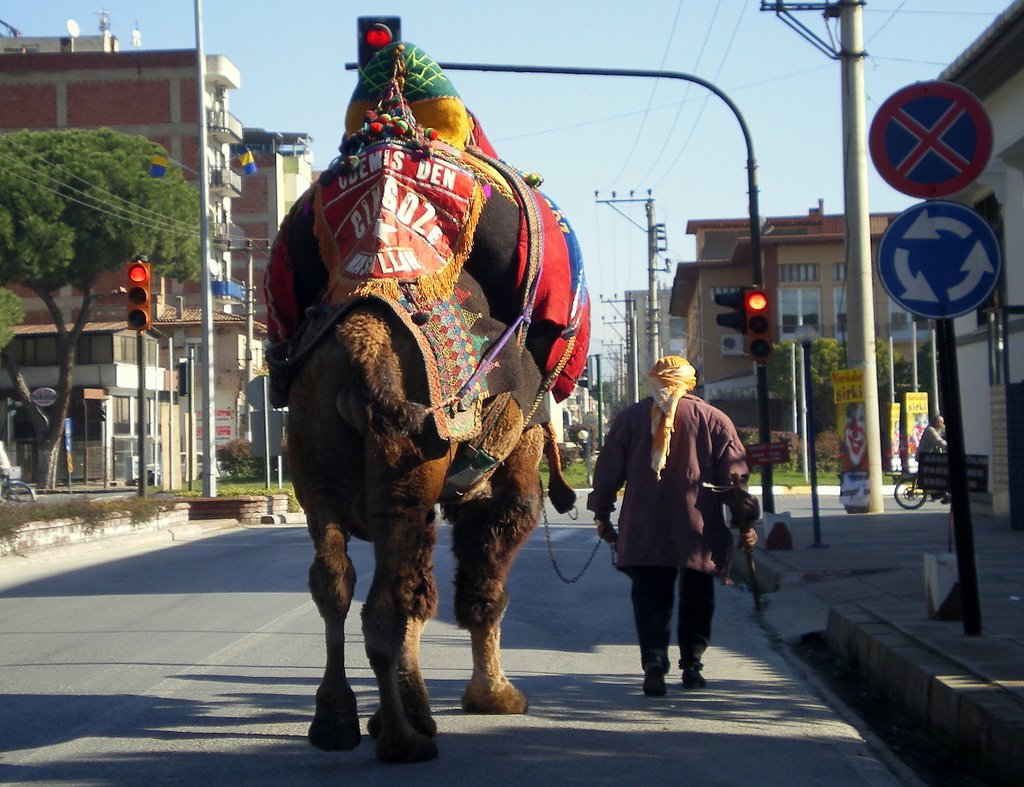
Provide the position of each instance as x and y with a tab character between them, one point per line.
236	460
91	513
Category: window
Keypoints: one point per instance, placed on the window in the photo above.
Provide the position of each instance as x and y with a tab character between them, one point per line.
798	272
124	349
839	307
839	271
121	409
799	307
34	350
94	349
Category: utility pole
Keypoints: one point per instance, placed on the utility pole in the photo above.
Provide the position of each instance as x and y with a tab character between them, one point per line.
653	312
250	312
655	236
206	277
861	345
632	384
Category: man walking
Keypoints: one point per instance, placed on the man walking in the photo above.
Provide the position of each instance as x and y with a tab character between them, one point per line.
667	450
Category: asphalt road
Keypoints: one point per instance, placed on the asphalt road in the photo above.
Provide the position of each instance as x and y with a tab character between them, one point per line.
197	663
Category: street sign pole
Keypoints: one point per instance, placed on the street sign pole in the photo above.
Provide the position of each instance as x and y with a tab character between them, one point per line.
960	501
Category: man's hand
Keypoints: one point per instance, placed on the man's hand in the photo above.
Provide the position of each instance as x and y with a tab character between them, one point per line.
748	537
605	530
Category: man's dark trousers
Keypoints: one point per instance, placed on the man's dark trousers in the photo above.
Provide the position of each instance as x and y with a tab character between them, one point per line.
653	596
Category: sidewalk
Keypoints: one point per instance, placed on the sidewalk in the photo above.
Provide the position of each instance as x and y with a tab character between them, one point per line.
865	590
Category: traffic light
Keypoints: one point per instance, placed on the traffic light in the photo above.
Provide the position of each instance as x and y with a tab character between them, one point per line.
735	300
375	33
758	322
139	288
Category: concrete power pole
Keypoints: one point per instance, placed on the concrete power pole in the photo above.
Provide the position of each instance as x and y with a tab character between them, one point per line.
861	344
653	317
209	416
861	350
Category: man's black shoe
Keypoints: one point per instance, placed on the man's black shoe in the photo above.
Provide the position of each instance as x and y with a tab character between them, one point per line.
654	681
692	679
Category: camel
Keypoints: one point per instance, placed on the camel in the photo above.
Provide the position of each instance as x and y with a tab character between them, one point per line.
379	438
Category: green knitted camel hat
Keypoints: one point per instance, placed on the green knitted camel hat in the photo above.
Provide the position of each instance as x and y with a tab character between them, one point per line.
430	94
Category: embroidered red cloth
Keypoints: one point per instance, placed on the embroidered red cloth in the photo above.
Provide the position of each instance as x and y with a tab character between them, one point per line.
400	215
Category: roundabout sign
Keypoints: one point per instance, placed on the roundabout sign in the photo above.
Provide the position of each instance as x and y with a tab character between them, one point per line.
939	260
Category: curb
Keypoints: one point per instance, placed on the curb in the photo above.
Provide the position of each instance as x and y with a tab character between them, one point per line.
976	716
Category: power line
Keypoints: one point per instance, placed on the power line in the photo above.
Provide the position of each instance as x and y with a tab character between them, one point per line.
164	223
76	176
93	205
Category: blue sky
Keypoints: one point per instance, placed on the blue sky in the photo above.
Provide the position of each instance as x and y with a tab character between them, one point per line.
584	134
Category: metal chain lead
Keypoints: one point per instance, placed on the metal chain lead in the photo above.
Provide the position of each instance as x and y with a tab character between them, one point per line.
554	562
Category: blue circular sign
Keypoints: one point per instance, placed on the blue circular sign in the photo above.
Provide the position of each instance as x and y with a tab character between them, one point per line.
939	260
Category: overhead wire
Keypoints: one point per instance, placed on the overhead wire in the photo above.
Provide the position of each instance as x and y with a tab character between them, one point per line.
164	223
689	85
123	209
650	98
99	207
139	208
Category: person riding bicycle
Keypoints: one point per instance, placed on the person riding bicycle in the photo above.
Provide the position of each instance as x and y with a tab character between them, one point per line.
932	440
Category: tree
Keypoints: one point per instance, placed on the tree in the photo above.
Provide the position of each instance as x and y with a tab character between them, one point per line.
75	204
10	315
827	356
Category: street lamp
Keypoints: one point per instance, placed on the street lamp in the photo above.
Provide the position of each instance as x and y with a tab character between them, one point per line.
806	335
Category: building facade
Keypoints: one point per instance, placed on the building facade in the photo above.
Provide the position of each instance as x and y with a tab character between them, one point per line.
990	340
804	272
87	82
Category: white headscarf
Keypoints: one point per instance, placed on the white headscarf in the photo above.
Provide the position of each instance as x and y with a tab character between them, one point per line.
670	378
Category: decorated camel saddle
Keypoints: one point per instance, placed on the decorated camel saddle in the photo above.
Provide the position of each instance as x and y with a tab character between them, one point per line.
420	215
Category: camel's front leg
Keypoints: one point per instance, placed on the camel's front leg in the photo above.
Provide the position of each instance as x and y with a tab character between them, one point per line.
486	535
332	578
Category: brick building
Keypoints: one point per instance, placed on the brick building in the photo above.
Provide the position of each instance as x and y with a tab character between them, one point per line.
87	82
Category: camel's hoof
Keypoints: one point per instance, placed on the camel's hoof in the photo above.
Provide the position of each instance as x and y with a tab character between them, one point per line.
334	734
506	700
422	723
410	748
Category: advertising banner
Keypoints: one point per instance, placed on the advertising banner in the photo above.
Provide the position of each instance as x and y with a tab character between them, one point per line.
851	421
915	421
895	460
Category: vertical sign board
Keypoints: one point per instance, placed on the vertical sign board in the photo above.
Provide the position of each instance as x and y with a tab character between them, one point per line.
851	421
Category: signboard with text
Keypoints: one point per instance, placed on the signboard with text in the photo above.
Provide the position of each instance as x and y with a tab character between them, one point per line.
933	472
768	453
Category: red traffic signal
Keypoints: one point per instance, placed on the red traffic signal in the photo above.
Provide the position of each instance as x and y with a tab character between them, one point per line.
139	289
375	33
757	320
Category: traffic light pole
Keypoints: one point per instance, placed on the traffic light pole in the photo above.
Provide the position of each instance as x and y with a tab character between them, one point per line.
767	496
140	416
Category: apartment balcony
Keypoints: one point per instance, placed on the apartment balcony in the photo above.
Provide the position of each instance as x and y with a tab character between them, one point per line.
219	235
227	291
223	127
225	183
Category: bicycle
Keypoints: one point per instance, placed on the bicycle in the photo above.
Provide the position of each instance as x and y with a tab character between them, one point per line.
15	491
907	493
